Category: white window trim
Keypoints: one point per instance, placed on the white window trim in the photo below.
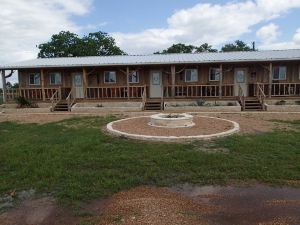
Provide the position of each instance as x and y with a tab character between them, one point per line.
191	81
110	72
60	78
138	77
34	84
210	69
279	76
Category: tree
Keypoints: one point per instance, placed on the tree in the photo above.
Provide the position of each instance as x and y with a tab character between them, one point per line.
205	48
182	48
100	43
178	48
67	44
236	46
8	85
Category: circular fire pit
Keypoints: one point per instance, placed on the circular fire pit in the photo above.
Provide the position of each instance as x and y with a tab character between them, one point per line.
171	120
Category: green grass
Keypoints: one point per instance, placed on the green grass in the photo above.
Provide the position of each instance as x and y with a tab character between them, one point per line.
75	161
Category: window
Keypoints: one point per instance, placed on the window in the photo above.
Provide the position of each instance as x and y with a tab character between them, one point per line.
134	77
214	74
191	75
34	79
55	78
279	73
110	77
240	76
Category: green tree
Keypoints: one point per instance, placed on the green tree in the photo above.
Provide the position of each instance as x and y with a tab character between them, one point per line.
178	48
67	44
205	48
236	46
182	48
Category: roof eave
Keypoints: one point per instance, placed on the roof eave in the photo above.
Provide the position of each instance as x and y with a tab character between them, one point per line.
146	63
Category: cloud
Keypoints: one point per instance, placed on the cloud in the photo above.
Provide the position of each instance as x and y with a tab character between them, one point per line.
268	33
26	23
296	37
212	23
272	44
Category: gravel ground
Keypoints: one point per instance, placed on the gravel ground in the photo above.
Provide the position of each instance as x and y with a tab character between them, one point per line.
203	126
249	122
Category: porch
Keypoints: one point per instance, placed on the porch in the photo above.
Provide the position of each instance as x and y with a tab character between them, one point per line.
228	91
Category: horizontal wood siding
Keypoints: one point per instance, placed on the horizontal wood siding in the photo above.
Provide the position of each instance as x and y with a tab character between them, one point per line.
257	72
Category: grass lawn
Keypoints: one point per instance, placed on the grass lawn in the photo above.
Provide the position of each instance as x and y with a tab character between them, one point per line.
75	161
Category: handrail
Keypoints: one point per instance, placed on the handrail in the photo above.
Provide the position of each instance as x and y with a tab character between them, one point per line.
144	97
242	97
55	98
70	99
260	95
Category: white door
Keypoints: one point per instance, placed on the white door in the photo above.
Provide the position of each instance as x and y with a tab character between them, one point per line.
155	84
240	79
78	85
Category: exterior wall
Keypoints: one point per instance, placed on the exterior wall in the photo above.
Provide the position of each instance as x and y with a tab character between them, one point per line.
256	72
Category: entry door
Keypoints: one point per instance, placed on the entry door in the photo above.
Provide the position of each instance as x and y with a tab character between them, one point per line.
240	79
78	85
155	84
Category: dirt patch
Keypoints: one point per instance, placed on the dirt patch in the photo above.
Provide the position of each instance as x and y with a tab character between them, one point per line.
249	205
258	123
35	118
253	123
155	206
181	204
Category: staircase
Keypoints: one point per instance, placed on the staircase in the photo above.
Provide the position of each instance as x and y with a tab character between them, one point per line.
156	105
61	106
252	104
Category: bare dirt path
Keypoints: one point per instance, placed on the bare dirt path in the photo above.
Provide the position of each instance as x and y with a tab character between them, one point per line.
249	122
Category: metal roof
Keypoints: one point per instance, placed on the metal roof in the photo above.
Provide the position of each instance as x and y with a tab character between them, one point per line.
221	57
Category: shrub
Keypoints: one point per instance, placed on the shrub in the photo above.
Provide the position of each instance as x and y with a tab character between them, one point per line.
282	102
23	102
200	102
231	104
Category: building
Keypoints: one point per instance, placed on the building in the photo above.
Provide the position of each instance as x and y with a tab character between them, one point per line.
249	77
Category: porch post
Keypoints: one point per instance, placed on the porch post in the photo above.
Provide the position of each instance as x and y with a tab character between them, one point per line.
84	73
43	85
270	79
127	82
221	81
173	74
4	86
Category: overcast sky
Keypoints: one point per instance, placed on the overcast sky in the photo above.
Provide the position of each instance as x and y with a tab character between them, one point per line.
142	27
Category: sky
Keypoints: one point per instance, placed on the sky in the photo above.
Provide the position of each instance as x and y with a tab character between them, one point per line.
144	27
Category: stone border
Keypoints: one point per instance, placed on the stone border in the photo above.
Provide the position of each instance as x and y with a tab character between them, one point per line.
111	130
164	121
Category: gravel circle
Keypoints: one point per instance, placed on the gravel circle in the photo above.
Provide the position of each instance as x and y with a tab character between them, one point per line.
205	128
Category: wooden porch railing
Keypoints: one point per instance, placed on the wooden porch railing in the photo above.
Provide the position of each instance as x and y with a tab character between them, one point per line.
115	92
12	93
196	91
241	97
144	97
71	98
56	98
280	89
261	95
36	93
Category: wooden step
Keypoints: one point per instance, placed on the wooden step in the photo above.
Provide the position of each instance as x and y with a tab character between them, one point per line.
153	105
